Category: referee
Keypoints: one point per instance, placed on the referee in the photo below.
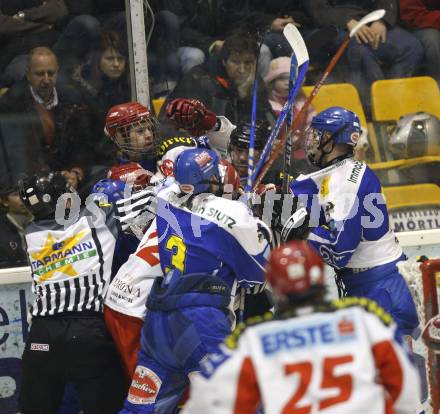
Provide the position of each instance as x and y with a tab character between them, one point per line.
71	269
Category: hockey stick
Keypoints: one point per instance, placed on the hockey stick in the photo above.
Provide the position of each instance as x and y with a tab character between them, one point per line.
301	55
248	185
370	17
288	149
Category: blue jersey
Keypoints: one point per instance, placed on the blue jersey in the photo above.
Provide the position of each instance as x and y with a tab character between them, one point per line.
215	235
348	215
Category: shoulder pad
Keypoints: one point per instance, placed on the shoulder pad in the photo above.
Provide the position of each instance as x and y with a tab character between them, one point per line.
231	340
367	304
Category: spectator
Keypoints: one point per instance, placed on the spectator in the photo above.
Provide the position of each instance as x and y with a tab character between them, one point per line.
206	24
227	88
103	83
269	19
45	127
379	50
203	28
277	82
14	217
422	17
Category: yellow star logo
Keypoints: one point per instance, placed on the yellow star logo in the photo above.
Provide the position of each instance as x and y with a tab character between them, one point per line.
50	246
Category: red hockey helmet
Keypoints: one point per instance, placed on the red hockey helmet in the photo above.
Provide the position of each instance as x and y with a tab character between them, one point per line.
131	173
294	268
134	130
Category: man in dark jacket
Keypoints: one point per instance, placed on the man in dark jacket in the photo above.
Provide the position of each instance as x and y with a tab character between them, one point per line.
43	127
379	45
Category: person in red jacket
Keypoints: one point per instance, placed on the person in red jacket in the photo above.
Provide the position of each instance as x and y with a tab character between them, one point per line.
423	18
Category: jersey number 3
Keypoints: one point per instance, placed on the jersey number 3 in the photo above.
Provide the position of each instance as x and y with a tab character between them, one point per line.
343	383
178	252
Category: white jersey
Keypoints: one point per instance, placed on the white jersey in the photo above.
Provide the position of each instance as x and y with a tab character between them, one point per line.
348	215
334	361
130	287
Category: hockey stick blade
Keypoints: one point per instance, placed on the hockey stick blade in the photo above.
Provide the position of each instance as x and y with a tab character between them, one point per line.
370	17
296	42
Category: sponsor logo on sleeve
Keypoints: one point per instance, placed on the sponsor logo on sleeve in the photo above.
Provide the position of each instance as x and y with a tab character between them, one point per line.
144	387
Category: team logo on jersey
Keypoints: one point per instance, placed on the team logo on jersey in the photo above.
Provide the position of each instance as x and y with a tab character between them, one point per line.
167	168
144	387
202	159
308	335
59	255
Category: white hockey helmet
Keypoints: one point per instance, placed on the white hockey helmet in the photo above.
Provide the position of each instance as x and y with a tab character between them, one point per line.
415	135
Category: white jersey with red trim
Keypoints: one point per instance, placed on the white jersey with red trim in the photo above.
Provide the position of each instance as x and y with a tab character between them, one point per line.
334	361
129	289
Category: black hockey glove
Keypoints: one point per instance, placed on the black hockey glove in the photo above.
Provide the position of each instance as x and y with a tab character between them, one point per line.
296	227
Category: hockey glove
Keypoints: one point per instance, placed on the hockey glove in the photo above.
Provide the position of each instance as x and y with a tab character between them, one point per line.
293	225
296	227
131	173
191	114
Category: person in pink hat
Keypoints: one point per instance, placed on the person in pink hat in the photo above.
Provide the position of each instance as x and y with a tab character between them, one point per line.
277	83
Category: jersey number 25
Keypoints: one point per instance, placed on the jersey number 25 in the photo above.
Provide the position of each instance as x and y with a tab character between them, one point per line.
344	383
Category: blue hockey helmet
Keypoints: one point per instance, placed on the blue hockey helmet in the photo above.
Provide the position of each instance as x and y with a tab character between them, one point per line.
113	189
195	168
337	125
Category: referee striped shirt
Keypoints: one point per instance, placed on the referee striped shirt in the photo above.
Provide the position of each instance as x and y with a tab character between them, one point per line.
71	265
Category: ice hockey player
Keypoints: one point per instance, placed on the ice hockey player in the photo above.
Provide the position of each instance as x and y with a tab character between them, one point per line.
124	309
134	130
346	218
208	245
71	260
341	357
